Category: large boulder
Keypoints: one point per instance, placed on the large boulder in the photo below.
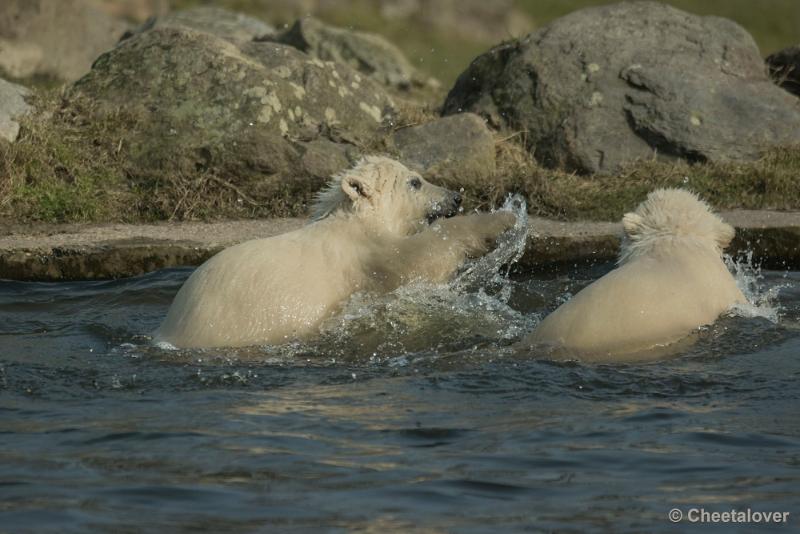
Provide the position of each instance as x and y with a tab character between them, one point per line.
256	114
608	85
368	53
220	22
452	149
12	107
784	68
54	38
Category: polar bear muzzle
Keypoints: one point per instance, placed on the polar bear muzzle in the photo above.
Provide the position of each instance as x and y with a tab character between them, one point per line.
447	207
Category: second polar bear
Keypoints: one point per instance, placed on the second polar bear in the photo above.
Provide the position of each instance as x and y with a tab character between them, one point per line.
670	280
374	230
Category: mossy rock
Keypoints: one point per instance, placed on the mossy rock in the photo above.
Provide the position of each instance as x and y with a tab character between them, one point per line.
13	105
250	113
217	21
368	53
453	150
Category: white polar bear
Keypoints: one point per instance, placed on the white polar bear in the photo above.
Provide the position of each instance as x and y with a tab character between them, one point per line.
373	230
670	280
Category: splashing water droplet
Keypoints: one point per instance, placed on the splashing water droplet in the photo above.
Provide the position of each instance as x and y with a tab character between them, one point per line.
761	301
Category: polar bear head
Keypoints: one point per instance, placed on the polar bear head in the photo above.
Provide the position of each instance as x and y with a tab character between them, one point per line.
669	217
387	195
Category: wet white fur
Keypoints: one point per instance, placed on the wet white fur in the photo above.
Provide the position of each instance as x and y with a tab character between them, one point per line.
369	234
670	280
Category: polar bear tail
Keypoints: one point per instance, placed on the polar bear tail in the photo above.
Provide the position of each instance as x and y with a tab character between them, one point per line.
674	215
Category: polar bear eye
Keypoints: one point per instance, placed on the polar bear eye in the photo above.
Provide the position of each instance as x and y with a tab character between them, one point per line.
415	183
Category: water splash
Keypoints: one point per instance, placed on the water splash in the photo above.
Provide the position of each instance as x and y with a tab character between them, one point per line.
471	310
762	301
487	270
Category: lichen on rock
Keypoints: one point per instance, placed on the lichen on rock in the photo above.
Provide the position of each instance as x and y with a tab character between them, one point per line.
241	110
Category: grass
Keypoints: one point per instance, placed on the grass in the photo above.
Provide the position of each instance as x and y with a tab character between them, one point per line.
66	168
60	169
767	183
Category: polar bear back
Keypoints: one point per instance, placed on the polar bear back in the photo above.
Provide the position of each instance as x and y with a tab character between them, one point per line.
261	289
650	301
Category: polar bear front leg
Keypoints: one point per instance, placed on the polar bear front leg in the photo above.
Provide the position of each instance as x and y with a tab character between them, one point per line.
437	252
476	233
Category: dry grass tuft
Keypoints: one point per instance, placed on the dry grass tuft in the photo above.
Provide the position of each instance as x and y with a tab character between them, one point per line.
62	168
66	168
770	182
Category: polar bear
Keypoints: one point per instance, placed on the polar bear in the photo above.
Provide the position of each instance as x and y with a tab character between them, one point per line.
375	227
670	280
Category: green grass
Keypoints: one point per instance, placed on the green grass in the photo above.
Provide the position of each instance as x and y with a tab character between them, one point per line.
61	168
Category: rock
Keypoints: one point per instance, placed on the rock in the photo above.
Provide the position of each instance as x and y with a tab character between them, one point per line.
604	86
784	67
451	149
368	53
253	113
322	158
219	22
92	251
12	107
53	38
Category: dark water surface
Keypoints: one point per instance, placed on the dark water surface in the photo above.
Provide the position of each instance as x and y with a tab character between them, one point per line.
409	412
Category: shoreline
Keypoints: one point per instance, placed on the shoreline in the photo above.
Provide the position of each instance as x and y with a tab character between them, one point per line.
106	251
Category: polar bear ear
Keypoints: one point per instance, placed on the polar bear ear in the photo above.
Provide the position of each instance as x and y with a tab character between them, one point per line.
724	235
632	223
355	187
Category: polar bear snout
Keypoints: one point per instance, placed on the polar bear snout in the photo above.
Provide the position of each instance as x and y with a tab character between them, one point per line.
446	207
453	203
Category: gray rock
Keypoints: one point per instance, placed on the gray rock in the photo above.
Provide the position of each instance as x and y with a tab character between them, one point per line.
451	149
54	38
12	107
366	52
604	86
322	158
255	113
784	67
217	21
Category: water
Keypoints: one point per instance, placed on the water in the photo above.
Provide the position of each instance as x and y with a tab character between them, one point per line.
413	412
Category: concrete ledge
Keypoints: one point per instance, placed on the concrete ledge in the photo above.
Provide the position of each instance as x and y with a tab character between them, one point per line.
91	252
